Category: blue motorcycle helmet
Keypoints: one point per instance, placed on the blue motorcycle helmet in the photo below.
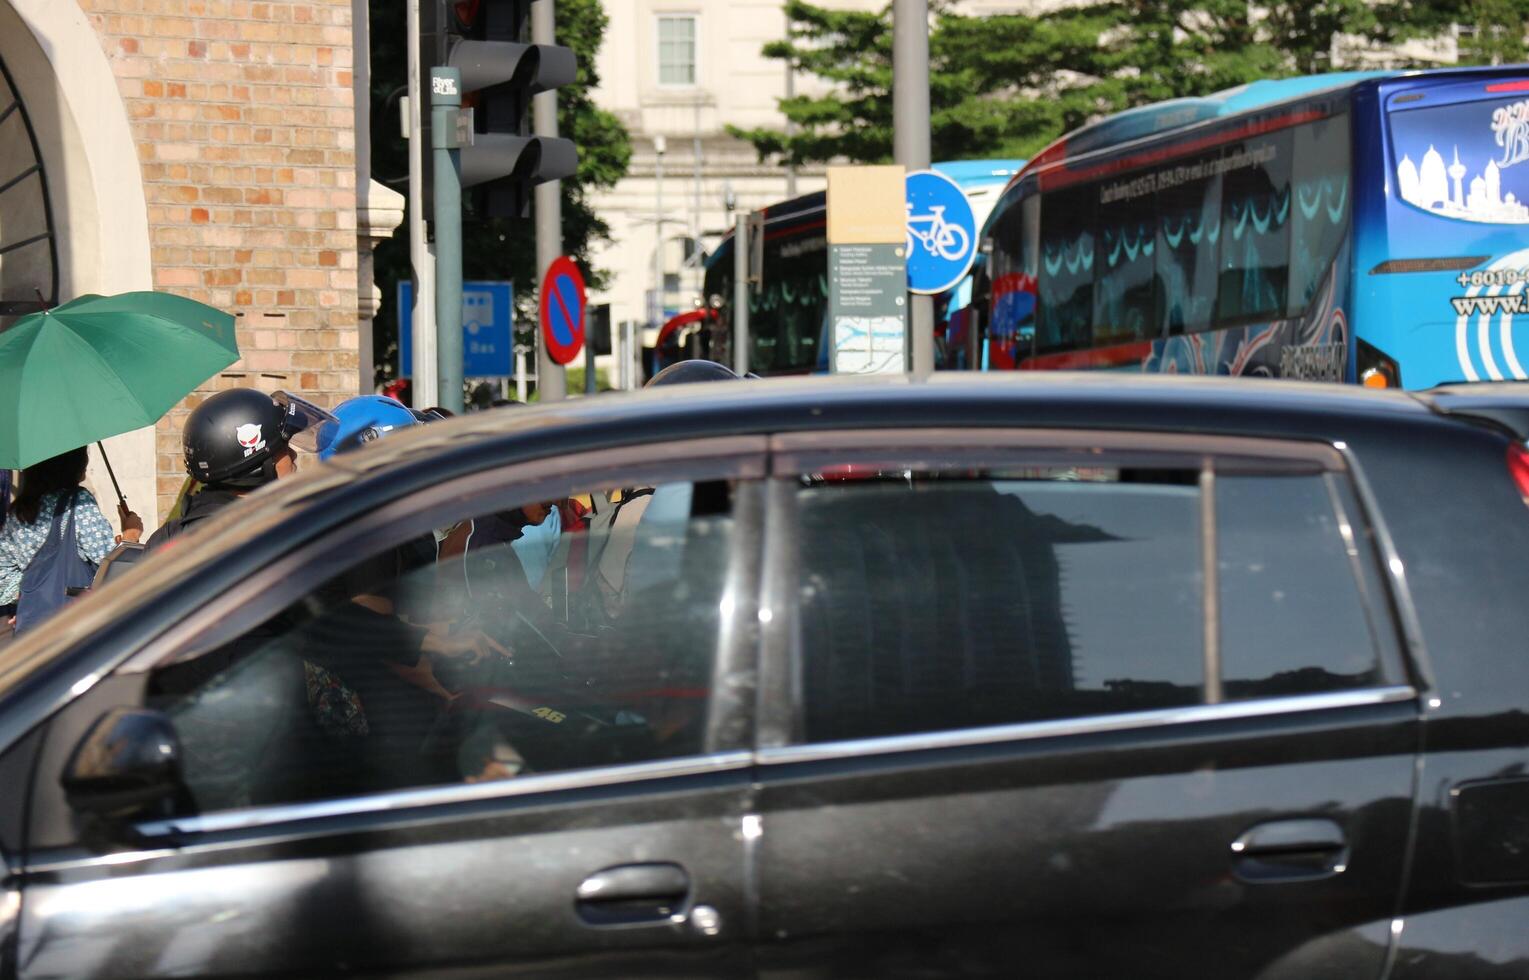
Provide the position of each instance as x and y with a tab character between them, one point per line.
358	421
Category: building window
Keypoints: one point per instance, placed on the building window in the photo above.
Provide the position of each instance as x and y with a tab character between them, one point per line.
28	262
676	50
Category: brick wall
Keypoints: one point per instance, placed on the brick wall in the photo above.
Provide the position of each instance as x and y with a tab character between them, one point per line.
243	116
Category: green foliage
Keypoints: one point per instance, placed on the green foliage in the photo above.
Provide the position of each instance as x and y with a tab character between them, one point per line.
1492	32
979	68
499	248
575	380
1007	85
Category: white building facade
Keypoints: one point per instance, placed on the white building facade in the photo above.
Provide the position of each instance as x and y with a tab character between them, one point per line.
677	73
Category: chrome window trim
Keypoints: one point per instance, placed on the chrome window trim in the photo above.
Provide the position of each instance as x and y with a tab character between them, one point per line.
401	801
794	451
1092	725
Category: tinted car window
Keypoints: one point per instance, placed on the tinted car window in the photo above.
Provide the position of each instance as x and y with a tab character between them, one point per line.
1292	616
559	635
935	603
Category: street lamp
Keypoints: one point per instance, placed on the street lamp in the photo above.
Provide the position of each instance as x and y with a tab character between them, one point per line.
659	146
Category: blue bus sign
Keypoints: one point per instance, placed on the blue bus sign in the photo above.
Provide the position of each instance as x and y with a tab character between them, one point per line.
942	232
488	349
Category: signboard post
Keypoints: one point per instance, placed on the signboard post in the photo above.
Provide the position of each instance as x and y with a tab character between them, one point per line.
487	311
562	310
867	270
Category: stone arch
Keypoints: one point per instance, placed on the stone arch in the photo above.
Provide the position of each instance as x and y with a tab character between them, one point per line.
94	185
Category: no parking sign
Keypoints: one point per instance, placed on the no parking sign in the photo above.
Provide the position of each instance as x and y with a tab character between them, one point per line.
562	309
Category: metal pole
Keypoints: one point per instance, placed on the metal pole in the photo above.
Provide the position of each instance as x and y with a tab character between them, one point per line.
445	99
551	382
361	82
910	145
520	374
695	211
657	313
790	130
423	389
741	293
589	350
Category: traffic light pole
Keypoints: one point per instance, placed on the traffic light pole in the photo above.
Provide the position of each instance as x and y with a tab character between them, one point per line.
551	382
422	389
445	107
910	146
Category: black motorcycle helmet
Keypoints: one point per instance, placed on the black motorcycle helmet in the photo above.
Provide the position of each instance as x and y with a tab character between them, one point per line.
686	372
236	436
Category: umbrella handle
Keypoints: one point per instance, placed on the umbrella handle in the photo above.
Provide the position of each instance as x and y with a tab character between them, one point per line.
109	472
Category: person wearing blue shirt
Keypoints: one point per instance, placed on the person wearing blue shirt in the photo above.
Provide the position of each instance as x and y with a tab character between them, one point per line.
30	519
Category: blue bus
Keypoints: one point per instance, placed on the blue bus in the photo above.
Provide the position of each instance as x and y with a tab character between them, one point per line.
788	312
1368	227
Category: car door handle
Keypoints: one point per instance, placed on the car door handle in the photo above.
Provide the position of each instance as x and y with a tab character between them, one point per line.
1290	850
632	893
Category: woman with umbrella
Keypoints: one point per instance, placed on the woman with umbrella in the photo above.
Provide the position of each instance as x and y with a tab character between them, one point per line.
76	374
51	491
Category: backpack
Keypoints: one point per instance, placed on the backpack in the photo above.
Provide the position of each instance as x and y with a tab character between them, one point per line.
56	573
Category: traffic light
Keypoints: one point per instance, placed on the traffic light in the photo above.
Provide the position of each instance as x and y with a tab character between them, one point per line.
486	41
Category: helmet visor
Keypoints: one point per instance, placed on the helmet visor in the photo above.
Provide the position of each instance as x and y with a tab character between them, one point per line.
300	421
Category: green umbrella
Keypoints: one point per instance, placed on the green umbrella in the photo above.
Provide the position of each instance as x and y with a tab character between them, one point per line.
103	365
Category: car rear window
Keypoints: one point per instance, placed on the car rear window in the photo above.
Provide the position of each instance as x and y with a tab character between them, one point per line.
942	599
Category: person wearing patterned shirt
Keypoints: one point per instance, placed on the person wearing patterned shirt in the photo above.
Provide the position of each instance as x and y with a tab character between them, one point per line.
31	518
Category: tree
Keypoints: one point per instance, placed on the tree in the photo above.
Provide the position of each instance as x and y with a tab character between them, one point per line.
1008	85
999	85
1491	32
497	248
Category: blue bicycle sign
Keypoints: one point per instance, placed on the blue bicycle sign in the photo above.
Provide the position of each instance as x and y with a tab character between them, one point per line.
941	232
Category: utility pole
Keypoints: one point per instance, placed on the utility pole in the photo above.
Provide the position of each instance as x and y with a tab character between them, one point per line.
790	129
445	108
659	146
422	387
695	210
741	293
910	146
551	382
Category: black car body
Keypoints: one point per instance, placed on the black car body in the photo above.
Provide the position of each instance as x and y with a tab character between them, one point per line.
1076	676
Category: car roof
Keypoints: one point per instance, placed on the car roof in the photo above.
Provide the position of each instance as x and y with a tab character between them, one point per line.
1091	399
275	518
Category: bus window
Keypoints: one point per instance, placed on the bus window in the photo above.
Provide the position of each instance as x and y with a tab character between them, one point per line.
1188	229
786	314
1320	216
1124	305
1255	229
1066	269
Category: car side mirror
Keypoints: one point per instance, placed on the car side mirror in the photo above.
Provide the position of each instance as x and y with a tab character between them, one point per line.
129	762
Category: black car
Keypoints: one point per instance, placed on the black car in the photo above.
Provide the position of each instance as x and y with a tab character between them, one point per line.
1066	676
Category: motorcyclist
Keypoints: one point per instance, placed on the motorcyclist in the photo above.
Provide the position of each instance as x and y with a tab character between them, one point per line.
235	442
628	516
363	419
399	586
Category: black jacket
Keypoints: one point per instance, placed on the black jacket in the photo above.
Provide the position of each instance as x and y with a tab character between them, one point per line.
199	507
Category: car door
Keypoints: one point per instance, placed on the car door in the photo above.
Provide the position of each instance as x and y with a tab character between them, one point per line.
363	782
1076	704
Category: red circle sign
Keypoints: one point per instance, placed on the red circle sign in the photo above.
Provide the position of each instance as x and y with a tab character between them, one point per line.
562	309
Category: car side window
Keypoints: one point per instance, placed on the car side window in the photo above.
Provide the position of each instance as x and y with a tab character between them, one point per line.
555	635
1290	573
935	599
